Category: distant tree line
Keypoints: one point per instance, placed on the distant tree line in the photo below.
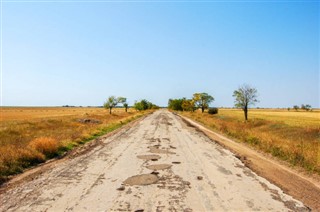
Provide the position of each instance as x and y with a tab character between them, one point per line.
303	107
113	101
144	105
245	96
199	100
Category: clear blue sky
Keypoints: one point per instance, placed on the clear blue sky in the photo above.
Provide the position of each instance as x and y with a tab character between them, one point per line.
79	53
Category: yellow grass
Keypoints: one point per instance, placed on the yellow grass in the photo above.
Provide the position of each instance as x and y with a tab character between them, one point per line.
292	118
32	135
289	135
44	145
26	113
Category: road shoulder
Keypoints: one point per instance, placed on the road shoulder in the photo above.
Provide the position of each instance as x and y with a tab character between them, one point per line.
34	172
290	181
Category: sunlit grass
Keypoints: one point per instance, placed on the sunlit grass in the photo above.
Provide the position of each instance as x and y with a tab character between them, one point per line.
33	135
292	118
288	135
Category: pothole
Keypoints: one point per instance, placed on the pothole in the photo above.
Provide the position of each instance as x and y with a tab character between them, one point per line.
159	166
154	172
143	179
159	151
149	157
176	162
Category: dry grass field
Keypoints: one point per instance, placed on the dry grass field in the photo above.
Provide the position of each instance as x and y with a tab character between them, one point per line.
289	135
31	135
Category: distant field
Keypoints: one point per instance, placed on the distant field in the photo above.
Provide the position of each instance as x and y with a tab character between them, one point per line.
292	118
289	135
33	113
30	135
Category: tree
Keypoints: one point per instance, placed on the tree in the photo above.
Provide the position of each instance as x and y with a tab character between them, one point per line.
296	107
202	100
144	105
111	102
244	97
188	105
175	104
306	107
125	105
123	101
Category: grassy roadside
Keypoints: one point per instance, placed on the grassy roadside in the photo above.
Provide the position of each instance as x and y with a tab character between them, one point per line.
284	138
34	136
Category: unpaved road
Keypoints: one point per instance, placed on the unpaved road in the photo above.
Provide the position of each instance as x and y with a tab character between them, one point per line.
158	164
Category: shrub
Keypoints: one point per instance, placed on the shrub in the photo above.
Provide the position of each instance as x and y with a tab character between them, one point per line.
213	110
45	145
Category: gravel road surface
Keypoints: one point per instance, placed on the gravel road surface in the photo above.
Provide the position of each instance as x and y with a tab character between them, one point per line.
160	163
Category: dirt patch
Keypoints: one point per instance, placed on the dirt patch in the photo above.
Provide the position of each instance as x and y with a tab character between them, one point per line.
89	121
149	157
159	166
154	149
143	179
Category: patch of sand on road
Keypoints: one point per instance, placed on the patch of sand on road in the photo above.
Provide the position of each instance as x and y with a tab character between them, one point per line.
149	157
142	179
159	166
154	149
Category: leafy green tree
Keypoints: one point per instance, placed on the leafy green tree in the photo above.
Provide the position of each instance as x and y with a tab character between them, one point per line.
308	107
144	105
111	102
202	100
296	107
175	104
244	97
138	106
188	105
125	105
123	101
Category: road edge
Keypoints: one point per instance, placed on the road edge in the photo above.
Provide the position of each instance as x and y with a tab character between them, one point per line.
31	173
302	187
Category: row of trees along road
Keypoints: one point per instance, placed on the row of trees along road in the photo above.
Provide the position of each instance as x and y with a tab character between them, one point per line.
199	100
113	101
244	96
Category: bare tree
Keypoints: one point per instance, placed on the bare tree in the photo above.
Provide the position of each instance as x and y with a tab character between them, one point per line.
244	97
